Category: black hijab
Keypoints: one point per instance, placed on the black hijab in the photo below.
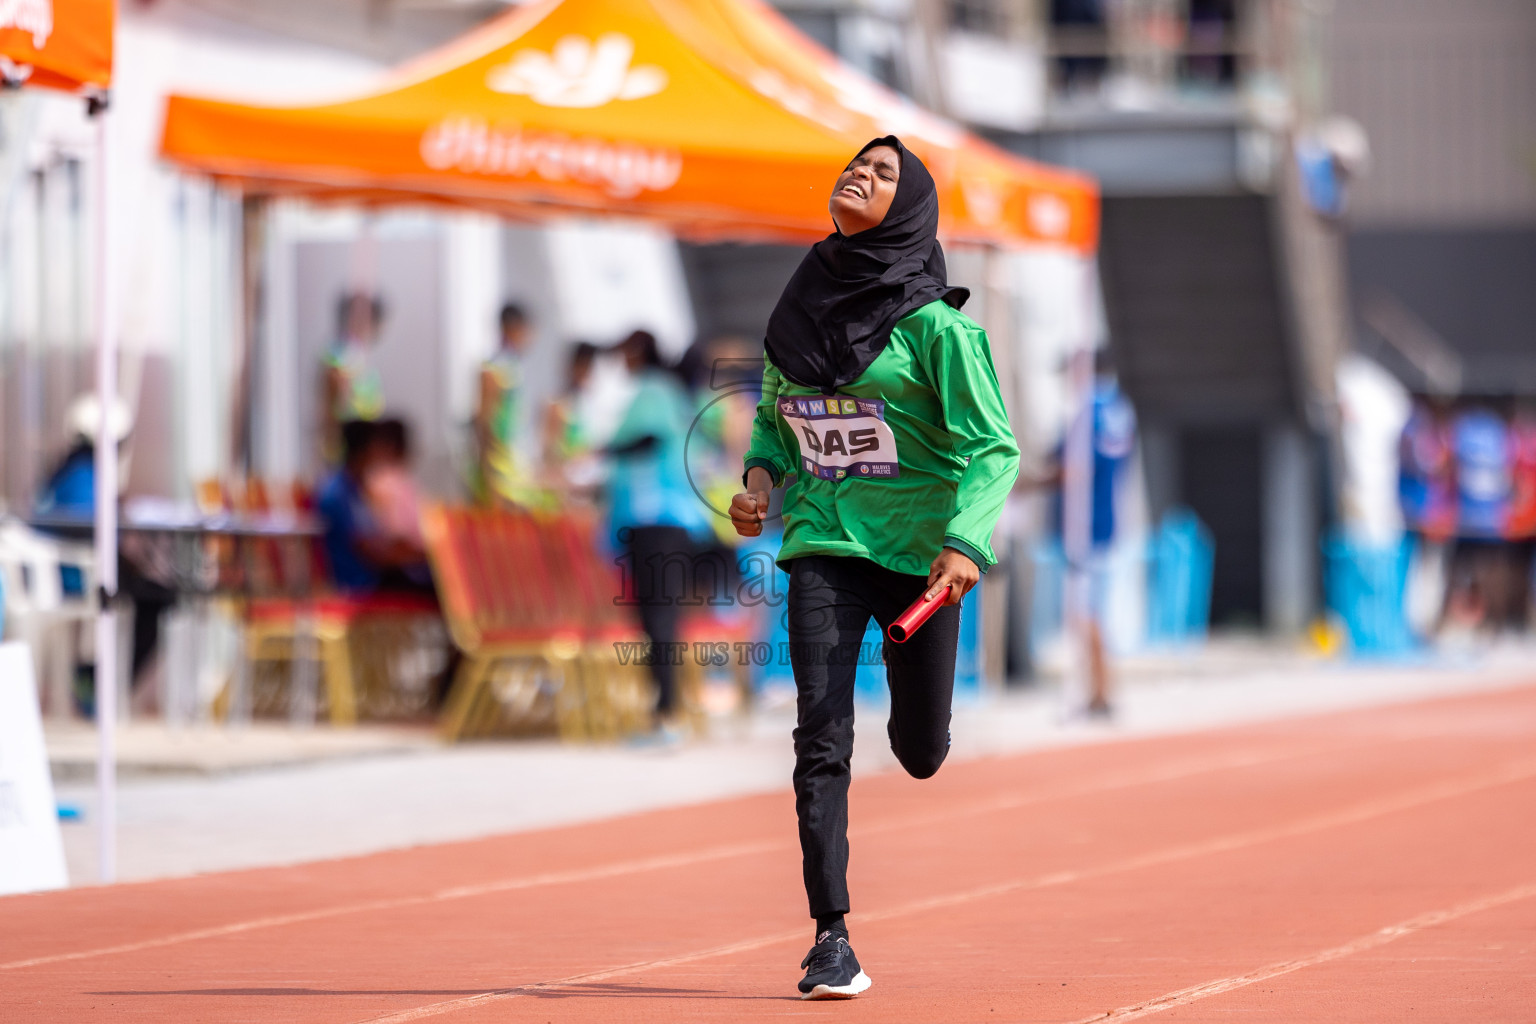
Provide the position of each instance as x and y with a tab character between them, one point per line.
836	313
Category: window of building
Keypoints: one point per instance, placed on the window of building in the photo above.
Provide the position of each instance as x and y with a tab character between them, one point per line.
983	17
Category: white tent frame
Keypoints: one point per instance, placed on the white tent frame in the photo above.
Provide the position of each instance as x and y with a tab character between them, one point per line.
106	506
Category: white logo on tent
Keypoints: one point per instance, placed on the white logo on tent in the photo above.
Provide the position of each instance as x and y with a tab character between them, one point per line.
34	16
1049	215
578	73
981	200
622	169
13	74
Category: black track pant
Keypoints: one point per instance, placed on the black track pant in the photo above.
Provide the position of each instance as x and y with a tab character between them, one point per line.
662	557
830	604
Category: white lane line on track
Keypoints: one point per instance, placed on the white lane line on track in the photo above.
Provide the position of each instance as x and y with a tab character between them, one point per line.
1192	767
500	995
1517	772
1108	783
1391	933
574	876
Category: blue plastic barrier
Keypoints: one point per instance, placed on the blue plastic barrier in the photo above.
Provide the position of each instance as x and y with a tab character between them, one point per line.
969	670
1365	586
869	680
1181	555
1047	591
870	684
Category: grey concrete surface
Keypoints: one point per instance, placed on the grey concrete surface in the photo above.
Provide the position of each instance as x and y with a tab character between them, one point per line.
151	748
413	791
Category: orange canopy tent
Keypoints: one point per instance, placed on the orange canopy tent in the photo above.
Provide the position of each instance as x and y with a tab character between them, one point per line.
57	44
716	117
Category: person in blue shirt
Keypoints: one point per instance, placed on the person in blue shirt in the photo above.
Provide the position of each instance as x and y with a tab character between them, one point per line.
1484	473
1114	440
1485	585
1112	422
1426	479
367	544
70	489
363	556
70	492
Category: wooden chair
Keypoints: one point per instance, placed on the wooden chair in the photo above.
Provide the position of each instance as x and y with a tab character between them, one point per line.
358	637
708	627
338	624
511	609
618	689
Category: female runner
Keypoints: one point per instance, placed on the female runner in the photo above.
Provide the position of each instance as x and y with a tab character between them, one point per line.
880	395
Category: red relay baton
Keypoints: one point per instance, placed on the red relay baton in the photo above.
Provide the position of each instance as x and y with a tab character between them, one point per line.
916	614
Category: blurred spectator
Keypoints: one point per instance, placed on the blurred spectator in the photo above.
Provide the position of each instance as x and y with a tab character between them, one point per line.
1426	489
1112	423
70	491
1522	503
370	512
723	409
725	375
70	488
1486	589
1482	473
351	387
654	511
391	490
567	449
1521	525
369	551
1330	156
1426	481
504	474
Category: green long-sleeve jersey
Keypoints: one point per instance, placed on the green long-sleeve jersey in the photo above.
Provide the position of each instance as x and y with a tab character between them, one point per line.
913	456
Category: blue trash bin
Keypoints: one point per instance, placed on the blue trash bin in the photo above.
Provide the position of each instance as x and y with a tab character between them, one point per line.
869	680
1181	555
1365	586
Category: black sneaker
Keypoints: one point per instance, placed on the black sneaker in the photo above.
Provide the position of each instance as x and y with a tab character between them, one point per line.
832	971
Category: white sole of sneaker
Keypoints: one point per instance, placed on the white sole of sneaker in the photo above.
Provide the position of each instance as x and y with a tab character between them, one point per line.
859	984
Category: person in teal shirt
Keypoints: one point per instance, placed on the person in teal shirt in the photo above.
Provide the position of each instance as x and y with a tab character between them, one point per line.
657	519
880	396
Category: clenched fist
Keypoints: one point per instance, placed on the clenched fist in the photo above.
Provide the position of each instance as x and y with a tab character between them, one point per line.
750	507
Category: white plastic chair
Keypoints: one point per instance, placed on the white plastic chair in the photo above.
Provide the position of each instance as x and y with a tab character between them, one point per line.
38	611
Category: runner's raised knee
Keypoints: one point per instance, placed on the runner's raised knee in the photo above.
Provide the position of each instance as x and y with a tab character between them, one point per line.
924	765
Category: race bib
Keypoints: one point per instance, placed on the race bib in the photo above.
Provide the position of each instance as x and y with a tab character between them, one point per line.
842	437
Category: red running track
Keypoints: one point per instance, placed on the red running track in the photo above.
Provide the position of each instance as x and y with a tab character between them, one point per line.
1377	865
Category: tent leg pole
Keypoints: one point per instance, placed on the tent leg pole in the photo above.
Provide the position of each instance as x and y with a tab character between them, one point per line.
1077	518
106	512
253	241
